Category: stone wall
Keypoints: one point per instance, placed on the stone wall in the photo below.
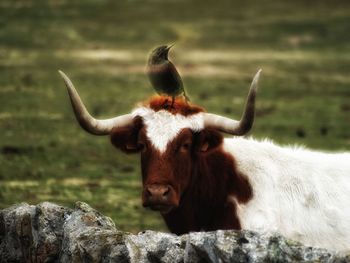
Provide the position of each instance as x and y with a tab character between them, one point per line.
51	233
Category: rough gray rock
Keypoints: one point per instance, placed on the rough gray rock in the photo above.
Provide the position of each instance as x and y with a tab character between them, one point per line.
51	233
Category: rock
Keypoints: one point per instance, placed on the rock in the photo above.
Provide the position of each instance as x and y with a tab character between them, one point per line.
89	236
31	233
150	246
51	233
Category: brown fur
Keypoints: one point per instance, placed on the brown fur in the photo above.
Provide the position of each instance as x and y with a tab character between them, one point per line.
180	105
201	176
126	138
213	177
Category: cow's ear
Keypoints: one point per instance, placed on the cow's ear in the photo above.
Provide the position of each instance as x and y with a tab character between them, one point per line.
208	140
126	138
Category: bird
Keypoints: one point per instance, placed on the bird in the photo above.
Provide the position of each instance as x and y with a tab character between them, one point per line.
163	75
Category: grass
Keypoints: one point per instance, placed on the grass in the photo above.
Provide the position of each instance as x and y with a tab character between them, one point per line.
302	46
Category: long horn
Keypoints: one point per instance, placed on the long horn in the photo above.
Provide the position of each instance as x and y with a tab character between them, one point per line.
86	121
232	126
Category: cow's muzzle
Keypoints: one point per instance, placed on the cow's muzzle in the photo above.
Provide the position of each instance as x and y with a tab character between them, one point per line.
159	197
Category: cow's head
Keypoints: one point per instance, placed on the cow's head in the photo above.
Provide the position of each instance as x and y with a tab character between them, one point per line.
171	139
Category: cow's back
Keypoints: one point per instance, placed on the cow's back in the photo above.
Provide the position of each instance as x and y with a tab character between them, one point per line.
302	194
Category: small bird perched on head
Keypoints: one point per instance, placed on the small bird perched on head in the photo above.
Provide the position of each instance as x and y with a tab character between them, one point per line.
163	75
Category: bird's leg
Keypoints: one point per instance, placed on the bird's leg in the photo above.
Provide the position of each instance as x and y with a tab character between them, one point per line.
165	104
172	102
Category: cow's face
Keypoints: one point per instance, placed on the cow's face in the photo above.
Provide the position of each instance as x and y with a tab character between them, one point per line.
170	147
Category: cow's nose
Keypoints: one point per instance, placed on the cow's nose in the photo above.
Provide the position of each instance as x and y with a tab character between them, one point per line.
158	192
159	197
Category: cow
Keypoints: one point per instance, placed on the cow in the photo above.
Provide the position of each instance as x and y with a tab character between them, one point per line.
200	181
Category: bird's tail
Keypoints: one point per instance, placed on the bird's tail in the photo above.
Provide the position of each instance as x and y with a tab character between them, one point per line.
186	97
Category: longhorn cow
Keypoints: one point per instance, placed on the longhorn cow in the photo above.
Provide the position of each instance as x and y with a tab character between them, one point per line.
199	180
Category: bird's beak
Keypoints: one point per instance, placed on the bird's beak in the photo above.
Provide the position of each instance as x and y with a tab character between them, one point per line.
169	47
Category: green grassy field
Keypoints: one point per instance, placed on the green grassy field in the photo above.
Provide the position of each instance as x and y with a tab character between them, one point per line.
303	48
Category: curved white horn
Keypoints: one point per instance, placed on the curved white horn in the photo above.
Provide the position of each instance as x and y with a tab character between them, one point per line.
232	126
86	121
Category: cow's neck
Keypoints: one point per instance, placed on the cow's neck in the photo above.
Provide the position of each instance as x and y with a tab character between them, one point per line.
188	218
210	201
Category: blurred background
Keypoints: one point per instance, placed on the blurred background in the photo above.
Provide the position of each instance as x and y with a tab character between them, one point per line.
303	48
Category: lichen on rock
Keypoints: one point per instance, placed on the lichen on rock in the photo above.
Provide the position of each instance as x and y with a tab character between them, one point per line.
51	233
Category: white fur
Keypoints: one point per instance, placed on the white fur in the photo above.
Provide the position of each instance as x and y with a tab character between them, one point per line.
162	126
302	194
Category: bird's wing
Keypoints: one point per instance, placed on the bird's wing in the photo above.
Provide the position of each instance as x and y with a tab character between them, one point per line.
165	79
176	78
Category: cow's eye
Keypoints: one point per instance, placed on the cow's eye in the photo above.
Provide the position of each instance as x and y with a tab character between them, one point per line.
185	147
141	145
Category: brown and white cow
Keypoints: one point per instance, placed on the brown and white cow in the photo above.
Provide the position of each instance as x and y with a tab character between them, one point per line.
199	180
